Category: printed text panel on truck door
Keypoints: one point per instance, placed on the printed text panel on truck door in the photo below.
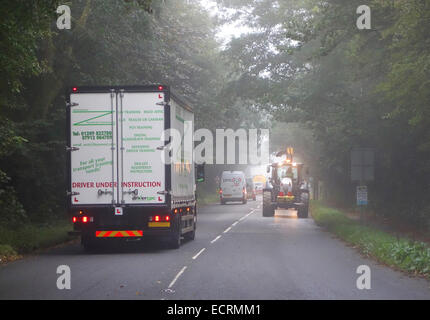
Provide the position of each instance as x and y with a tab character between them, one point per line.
93	159
141	172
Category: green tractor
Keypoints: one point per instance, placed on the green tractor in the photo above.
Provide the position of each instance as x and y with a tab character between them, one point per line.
286	189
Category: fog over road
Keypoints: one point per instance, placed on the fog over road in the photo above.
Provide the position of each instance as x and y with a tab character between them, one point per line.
237	254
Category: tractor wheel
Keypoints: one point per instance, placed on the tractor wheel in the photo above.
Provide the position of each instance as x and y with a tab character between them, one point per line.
268	209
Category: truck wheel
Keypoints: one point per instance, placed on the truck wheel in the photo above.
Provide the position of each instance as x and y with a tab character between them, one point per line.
302	212
192	234
89	244
175	238
268	209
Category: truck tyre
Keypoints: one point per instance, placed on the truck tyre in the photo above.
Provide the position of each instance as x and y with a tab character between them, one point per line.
268	209
175	238
89	244
192	234
302	212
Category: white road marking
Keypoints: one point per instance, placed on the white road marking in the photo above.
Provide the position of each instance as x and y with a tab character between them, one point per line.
198	253
177	276
216	239
234	223
227	230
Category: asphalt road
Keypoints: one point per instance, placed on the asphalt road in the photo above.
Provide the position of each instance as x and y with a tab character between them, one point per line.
237	254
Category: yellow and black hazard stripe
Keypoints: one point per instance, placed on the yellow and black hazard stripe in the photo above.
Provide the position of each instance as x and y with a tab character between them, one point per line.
119	234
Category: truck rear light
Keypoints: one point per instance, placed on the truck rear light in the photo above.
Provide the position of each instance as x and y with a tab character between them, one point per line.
188	209
175	211
167	218
161	88
290	194
281	194
74	89
85	219
74	219
157	218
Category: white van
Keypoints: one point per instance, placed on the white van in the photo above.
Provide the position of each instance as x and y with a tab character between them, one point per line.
233	187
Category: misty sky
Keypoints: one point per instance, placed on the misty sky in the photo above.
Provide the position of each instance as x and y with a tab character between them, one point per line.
227	31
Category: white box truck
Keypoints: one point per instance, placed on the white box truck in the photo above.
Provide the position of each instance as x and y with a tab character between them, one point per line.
118	186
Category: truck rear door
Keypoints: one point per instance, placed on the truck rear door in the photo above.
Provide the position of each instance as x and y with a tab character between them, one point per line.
141	172
115	145
93	145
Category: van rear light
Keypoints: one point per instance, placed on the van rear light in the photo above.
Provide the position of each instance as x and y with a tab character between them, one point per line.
157	218
167	218
74	219
161	88
290	194
175	211
74	89
85	219
281	194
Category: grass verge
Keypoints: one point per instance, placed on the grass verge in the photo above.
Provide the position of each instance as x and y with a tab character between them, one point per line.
15	242
400	253
204	198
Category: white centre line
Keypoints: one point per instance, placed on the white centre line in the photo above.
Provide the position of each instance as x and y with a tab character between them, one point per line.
227	230
216	239
177	276
198	253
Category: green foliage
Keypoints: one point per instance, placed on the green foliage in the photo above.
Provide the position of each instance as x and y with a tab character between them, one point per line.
111	42
404	254
307	62
31	237
23	24
6	252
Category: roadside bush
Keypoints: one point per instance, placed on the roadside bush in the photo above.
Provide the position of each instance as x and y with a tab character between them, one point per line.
402	253
12	214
